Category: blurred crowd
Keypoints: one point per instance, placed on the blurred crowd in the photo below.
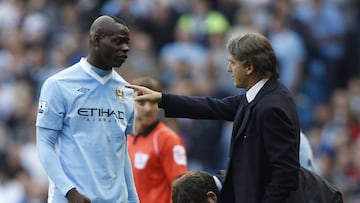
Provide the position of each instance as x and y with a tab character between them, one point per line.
182	44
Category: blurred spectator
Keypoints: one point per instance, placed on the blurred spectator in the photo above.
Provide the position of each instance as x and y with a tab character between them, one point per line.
12	13
339	121
353	174
216	63
157	153
142	59
203	20
11	189
35	28
289	49
354	107
160	24
36	67
259	12
183	57
243	22
326	31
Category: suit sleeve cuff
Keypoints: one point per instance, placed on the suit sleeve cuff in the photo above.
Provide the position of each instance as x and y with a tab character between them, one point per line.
162	103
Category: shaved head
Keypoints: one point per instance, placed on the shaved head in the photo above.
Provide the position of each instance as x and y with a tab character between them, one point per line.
105	24
109	39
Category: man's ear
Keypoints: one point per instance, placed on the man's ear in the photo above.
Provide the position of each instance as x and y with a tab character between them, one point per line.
96	40
249	69
211	197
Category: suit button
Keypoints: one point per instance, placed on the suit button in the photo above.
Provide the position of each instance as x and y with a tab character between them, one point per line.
245	136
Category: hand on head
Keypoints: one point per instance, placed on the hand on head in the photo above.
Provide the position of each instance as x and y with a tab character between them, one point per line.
145	94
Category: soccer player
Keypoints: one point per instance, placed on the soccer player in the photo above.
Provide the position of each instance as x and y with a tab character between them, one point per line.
83	118
157	153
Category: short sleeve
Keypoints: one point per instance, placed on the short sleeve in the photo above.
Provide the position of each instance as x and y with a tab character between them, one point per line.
173	155
51	107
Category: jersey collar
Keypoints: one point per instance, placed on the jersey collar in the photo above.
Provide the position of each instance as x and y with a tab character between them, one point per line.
88	68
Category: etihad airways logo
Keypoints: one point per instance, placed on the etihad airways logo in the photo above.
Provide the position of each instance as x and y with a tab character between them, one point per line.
93	113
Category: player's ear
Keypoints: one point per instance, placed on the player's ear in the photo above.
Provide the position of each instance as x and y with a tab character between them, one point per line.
95	39
211	197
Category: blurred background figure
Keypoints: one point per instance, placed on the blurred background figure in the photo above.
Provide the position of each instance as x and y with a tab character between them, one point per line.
157	153
306	156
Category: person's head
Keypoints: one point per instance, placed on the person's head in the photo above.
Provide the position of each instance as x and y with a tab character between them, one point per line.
251	58
109	42
195	187
147	111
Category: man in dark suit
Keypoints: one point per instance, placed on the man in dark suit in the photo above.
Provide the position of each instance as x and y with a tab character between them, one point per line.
264	151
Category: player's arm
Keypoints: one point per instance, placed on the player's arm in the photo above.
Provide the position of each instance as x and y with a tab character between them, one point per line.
46	140
45	143
129	178
48	123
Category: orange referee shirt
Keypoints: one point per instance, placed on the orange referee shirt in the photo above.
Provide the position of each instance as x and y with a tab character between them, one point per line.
158	156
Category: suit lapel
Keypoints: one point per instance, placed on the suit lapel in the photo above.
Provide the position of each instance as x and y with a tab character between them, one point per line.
239	119
242	118
244	121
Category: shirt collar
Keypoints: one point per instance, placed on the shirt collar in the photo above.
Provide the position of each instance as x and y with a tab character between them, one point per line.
97	73
254	90
100	72
148	130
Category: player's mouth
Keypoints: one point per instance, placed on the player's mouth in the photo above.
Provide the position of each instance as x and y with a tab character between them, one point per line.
123	57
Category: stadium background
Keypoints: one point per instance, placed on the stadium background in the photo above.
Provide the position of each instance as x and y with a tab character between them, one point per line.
182	44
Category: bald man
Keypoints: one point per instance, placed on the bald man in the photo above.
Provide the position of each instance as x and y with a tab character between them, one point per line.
83	118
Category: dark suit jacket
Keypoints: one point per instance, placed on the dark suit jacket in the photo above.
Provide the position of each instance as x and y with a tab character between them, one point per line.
264	155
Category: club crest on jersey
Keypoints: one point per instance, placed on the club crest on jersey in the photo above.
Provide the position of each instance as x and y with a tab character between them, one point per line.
42	106
119	93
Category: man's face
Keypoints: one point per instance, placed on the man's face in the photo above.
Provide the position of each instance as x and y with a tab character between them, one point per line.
114	46
146	112
238	72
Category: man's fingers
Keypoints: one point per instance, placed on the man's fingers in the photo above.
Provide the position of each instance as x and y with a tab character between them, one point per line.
140	98
143	93
134	87
139	89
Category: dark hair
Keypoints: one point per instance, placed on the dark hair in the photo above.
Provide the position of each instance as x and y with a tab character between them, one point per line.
254	49
193	187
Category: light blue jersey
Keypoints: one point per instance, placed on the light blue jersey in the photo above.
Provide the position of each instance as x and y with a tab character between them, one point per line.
306	156
91	116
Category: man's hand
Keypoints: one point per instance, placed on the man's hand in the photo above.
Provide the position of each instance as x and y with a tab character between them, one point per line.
73	196
145	94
